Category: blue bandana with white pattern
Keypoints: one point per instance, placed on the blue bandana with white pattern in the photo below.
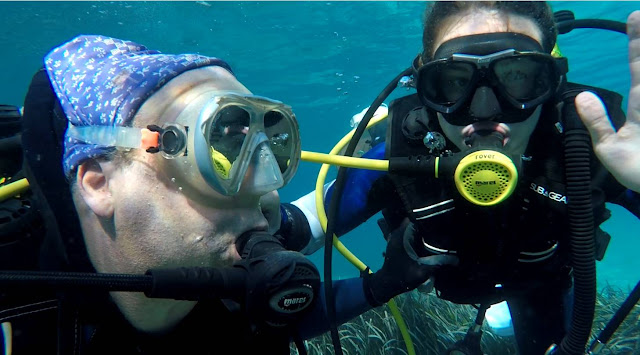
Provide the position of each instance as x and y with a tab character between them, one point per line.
103	81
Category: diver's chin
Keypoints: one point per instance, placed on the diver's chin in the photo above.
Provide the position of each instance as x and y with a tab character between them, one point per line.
487	128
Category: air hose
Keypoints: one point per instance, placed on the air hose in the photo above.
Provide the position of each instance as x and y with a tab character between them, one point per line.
567	22
577	155
334	207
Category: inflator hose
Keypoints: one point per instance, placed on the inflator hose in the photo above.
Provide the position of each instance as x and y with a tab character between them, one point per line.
577	155
566	22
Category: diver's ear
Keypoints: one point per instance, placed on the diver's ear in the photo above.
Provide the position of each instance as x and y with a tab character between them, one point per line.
93	186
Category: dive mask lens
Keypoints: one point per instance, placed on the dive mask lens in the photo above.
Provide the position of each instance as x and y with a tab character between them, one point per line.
520	81
526	80
227	134
280	133
444	85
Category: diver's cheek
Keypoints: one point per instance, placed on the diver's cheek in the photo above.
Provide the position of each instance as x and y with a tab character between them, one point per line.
218	251
521	132
270	207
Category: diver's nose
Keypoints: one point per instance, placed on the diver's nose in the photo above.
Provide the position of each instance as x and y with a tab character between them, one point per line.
484	104
263	173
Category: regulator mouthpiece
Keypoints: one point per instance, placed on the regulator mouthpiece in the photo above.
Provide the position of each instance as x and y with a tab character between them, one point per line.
486	177
485	139
281	285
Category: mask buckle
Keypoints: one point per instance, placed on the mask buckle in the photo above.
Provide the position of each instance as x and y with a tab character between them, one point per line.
170	139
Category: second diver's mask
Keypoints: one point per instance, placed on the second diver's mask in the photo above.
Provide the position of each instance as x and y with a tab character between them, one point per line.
498	76
228	142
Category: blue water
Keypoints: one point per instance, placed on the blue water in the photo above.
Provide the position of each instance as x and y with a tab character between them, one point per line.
328	60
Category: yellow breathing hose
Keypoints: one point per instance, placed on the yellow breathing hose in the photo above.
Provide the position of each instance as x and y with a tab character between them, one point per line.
349	162
13	189
372	164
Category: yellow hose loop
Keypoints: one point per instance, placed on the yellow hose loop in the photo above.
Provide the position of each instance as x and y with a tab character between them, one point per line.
322	217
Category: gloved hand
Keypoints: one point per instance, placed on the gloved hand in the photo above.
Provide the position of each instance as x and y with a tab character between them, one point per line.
402	270
294	231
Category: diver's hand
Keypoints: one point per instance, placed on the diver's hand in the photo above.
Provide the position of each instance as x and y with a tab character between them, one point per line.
618	151
402	270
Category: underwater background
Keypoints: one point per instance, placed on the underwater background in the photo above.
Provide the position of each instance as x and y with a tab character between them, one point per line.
328	60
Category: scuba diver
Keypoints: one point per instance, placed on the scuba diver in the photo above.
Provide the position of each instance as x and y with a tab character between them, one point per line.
145	174
489	161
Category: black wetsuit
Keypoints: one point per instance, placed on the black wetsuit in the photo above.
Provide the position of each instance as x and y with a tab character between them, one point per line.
99	328
516	251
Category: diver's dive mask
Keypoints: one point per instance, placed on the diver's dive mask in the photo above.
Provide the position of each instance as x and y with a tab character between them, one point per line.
498	76
235	142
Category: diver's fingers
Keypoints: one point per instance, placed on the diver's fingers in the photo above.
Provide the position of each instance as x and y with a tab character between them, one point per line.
594	116
633	32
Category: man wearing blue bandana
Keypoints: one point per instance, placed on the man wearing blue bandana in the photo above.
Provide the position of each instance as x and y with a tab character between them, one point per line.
168	162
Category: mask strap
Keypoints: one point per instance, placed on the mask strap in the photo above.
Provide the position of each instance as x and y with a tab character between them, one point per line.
116	136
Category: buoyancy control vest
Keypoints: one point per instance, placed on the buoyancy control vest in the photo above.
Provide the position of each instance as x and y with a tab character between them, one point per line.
515	243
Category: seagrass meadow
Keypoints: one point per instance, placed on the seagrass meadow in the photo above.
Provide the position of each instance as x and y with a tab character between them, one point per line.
435	325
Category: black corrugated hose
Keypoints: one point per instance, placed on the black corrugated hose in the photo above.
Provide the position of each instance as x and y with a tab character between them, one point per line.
577	154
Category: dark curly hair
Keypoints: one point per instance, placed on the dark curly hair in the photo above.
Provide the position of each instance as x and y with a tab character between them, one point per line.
436	12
